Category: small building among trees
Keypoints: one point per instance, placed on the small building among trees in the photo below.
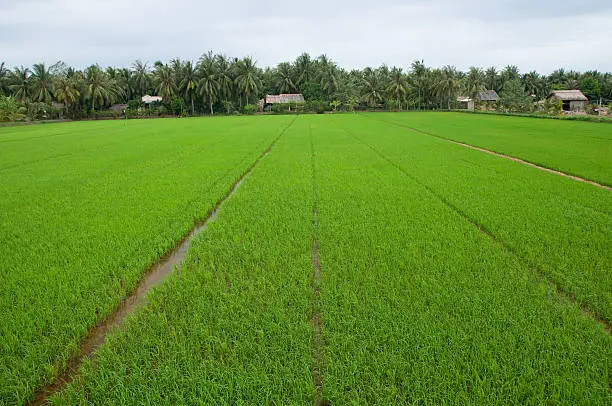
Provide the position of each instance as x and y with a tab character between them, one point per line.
573	100
285	98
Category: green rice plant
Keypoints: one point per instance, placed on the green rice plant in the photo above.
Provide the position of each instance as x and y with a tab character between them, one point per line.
233	326
561	228
421	306
86	208
577	148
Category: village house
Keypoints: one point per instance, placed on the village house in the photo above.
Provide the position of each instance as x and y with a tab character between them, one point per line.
284	98
573	100
488	97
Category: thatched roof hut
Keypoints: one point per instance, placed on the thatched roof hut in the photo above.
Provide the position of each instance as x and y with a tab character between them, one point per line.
573	100
284	98
568	95
488	96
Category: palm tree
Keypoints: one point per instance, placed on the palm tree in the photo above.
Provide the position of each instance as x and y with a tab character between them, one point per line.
41	83
475	82
371	87
448	84
124	81
303	69
419	72
398	85
142	80
164	82
208	84
19	83
491	79
247	79
66	91
327	75
101	89
4	72
225	76
284	81
189	83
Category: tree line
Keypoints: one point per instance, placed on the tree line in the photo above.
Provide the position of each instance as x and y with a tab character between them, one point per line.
219	83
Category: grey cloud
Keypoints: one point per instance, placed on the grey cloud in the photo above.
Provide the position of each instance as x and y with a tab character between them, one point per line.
533	35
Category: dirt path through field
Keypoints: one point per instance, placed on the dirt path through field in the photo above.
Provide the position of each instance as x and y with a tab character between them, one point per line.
156	274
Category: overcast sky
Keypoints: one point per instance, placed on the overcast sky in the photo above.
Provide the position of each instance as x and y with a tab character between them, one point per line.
542	35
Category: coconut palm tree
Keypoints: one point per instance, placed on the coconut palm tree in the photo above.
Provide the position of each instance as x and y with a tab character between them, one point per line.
371	87
189	83
304	70
4	72
327	73
448	84
225	76
66	91
164	82
284	78
141	77
492	79
19	83
475	82
100	88
208	84
247	79
398	85
42	84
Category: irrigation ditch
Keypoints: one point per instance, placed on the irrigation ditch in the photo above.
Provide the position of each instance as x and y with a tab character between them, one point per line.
154	276
539	273
317	318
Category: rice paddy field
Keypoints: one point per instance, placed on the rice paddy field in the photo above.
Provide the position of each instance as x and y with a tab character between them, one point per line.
348	259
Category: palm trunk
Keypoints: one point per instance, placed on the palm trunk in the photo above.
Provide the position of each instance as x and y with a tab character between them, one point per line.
192	106
210	104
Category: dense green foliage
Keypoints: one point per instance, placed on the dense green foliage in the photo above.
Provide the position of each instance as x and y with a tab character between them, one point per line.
85	208
217	83
577	148
435	260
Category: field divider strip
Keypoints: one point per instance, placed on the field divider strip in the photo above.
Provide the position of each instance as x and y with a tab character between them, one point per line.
500	155
154	276
317	317
534	267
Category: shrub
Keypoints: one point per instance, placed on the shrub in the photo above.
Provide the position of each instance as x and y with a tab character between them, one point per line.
10	109
249	109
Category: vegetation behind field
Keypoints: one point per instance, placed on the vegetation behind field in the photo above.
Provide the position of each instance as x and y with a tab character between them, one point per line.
220	84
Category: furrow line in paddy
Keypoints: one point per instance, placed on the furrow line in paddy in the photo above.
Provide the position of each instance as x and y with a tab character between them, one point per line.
504	156
568	296
154	276
317	319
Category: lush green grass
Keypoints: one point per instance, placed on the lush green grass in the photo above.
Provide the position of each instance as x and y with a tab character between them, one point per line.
430	258
577	148
85	208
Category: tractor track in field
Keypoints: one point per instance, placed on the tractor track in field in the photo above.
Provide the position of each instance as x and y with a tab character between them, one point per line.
155	275
317	317
540	274
500	155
